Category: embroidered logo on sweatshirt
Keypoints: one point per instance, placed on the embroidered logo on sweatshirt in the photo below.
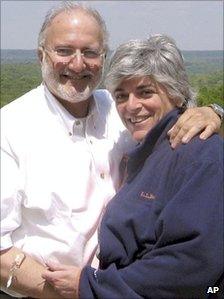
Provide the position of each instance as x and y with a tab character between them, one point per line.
147	195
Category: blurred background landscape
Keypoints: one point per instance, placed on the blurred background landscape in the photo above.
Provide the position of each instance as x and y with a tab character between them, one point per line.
20	72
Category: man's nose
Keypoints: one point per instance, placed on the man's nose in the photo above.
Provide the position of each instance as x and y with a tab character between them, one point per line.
77	63
133	103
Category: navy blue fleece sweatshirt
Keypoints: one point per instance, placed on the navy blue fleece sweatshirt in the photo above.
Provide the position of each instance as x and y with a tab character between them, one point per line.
162	234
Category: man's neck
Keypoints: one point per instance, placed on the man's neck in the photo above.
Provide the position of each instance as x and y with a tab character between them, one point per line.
78	110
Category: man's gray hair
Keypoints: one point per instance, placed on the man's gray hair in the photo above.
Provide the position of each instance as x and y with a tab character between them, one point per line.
68	7
157	57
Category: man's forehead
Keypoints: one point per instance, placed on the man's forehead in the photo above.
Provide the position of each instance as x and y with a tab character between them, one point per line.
75	17
74	26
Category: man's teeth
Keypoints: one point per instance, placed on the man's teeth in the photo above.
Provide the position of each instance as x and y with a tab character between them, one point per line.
135	120
77	77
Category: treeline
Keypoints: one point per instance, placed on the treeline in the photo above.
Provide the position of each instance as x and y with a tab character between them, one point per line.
209	87
17	79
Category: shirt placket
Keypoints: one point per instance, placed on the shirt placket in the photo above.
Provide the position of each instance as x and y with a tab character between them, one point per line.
78	130
99	152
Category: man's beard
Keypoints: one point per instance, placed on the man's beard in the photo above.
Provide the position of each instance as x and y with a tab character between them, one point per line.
69	94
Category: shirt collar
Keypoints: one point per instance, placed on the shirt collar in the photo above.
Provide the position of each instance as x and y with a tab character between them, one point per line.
98	116
68	120
94	109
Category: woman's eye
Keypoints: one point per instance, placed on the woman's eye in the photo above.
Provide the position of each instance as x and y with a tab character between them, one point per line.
147	93
120	98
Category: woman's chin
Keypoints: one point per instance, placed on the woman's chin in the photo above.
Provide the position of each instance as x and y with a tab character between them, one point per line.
138	136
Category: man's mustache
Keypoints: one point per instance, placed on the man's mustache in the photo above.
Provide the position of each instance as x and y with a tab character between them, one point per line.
75	75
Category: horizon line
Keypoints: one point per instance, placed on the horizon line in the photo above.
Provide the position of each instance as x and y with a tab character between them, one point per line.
35	49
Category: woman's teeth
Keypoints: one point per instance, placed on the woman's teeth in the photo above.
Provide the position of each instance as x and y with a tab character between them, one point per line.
137	120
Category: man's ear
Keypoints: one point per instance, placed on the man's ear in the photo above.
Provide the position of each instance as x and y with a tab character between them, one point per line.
40	54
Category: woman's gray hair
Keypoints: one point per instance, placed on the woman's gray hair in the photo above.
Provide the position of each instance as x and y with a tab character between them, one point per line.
68	7
157	57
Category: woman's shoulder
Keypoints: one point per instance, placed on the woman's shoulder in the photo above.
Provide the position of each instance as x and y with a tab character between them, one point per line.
198	150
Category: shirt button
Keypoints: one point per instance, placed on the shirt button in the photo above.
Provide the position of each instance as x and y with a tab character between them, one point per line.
102	175
70	134
77	122
91	142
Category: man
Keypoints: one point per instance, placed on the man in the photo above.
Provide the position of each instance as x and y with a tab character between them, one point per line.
61	148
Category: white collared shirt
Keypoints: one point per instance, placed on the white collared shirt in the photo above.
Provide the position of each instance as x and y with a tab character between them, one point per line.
58	173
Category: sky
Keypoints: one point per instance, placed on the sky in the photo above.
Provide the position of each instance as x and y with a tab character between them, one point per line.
195	25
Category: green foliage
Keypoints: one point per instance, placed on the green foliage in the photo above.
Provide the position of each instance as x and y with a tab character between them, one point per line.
203	62
209	88
17	79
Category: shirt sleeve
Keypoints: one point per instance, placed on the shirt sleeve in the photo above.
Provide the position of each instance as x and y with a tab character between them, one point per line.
10	194
188	254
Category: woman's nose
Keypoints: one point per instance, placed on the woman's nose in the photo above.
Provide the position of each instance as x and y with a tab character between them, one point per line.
133	104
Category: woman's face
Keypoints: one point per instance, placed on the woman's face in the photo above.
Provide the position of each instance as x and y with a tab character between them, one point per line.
141	103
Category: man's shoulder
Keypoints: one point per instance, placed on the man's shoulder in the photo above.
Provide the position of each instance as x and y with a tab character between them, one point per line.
25	101
103	97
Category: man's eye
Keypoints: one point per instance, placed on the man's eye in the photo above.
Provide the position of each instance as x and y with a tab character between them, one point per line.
91	54
64	51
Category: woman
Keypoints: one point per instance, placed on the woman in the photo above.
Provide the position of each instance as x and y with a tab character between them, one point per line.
160	236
